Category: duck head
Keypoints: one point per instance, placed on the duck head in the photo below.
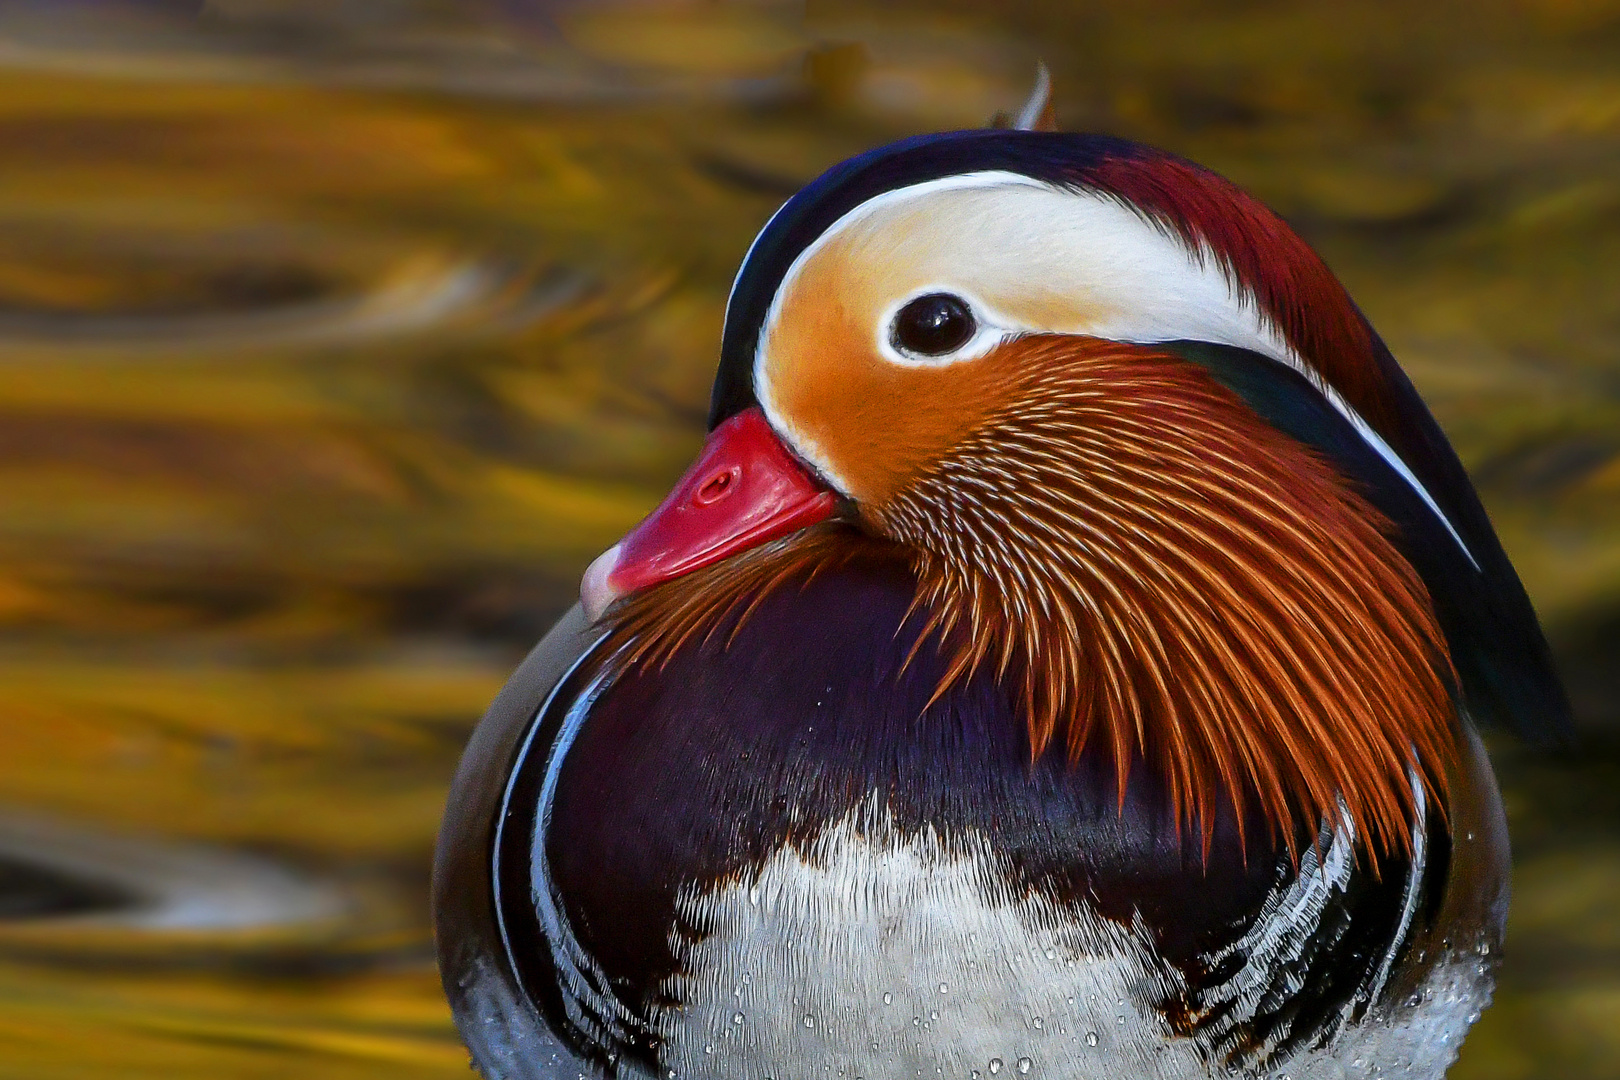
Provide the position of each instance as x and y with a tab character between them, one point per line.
1108	408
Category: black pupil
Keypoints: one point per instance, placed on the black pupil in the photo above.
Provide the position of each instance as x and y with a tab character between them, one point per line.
933	325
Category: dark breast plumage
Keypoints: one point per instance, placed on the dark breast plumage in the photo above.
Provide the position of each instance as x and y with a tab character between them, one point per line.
588	896
788	831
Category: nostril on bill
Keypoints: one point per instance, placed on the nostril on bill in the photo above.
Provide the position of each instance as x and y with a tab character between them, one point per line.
718	486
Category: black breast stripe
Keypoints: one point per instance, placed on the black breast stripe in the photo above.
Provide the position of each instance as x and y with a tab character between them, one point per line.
1320	951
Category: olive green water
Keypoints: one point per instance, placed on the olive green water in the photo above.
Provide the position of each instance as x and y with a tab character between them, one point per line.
335	338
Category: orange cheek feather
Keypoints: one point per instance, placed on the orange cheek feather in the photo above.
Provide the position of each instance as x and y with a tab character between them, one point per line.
1147	562
1155	566
873	424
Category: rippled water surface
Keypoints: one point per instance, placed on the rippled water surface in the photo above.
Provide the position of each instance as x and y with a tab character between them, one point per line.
335	338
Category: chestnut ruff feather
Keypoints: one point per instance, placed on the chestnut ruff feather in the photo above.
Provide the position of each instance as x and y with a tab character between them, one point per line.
1145	561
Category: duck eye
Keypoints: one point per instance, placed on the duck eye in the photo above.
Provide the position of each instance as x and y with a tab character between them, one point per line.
933	325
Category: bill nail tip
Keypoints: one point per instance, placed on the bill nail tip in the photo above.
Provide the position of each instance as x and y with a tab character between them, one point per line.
596	593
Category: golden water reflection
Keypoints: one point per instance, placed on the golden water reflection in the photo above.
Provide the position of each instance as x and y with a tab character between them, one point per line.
335	339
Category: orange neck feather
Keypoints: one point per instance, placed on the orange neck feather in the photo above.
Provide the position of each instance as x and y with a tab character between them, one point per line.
1147	562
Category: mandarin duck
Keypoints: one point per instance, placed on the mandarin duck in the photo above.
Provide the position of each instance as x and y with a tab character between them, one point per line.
1062	660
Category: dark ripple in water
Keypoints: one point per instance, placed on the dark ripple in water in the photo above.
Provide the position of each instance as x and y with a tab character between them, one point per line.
53	873
29	890
256	305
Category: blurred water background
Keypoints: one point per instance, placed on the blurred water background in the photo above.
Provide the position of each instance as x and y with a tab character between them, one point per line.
336	336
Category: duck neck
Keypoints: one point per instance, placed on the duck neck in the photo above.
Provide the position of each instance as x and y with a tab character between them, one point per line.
1150	564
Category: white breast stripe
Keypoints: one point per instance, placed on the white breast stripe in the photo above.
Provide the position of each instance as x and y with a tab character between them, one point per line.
582	981
1414	886
1275	946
